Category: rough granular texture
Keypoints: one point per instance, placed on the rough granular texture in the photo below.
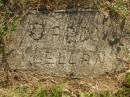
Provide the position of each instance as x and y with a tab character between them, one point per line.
84	43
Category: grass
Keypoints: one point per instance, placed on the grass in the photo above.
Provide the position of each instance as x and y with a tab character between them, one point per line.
120	93
25	91
58	91
120	7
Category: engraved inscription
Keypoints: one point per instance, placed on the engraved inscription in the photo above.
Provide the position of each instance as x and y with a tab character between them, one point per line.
65	43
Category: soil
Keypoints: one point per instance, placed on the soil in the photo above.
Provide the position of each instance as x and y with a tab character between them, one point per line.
108	82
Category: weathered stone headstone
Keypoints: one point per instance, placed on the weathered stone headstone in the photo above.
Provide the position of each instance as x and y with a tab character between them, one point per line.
84	43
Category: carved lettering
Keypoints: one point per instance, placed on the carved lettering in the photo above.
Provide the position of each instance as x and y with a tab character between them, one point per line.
72	59
49	57
85	58
62	58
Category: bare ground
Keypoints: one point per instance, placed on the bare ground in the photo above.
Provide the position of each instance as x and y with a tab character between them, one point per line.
108	82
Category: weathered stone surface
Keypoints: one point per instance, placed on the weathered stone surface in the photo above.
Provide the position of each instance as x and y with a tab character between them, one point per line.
79	44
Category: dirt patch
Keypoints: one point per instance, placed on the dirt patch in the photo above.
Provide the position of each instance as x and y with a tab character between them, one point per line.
102	83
